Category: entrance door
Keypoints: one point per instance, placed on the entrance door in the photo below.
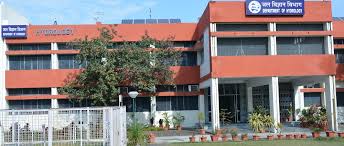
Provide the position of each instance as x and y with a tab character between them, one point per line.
229	103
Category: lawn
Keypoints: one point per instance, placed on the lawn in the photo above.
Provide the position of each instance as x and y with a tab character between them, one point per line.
310	142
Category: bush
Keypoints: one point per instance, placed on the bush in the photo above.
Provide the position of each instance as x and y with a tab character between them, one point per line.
259	122
314	117
136	134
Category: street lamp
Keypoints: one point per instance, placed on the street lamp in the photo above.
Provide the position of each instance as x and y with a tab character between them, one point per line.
133	95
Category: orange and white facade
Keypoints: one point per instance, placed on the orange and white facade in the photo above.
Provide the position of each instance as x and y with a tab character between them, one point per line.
231	61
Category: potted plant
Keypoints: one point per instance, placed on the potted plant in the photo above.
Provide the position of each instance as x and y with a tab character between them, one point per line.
330	134
178	119
218	132
289	136
256	137
192	138
203	138
151	138
341	134
256	123
279	127
297	136
214	137
270	137
201	119
303	136
166	118
244	137
224	135
234	133
316	132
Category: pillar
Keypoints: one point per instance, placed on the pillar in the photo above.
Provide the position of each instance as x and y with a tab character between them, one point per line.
331	103
298	100
274	99
201	105
215	112
153	110
54	103
249	100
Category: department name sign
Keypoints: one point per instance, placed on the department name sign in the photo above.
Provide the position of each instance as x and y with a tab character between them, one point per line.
14	31
275	7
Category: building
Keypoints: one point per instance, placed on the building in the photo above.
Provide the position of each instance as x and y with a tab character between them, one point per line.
238	56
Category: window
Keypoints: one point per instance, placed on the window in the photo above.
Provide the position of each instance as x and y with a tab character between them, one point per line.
184	44
312	99
176	88
241	27
68	62
299	27
65	46
300	45
29	104
143	104
317	85
339	55
176	103
188	59
338	41
242	46
340	99
67	103
29	91
15	47
33	62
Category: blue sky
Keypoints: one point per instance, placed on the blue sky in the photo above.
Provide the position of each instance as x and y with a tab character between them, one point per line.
113	11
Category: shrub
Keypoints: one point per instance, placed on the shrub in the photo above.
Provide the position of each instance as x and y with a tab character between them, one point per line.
234	132
136	134
178	119
259	122
314	117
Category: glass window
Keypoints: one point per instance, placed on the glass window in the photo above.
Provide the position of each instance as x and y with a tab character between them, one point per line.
312	99
143	104
14	47
188	59
29	91
340	99
70	103
339	55
299	27
65	46
242	46
30	62
68	62
29	104
241	27
300	45
183	44
176	103
338	41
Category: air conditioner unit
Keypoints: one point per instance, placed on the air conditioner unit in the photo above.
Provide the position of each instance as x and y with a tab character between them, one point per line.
193	88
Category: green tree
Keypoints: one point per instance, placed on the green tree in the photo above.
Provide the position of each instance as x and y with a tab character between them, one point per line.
141	65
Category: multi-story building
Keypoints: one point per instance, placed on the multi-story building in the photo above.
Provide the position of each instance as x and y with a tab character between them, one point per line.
239	55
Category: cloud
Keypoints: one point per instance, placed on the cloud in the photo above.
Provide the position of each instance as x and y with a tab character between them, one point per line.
79	11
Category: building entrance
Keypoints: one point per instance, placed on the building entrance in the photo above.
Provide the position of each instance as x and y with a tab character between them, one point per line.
229	99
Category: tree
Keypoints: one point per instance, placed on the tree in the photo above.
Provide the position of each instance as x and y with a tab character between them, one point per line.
140	65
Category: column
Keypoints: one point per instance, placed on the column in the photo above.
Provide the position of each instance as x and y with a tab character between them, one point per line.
215	112
331	103
153	110
54	103
201	104
249	100
323	95
274	99
298	100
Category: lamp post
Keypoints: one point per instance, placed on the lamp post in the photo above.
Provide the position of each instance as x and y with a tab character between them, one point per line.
133	95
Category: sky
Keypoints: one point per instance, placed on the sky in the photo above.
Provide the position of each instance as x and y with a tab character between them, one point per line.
113	11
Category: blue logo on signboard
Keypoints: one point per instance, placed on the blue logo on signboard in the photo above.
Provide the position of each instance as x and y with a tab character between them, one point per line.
275	7
14	31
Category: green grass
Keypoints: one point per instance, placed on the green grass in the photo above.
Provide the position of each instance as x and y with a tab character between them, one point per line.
309	142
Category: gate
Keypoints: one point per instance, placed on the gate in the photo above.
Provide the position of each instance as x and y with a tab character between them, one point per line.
104	126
